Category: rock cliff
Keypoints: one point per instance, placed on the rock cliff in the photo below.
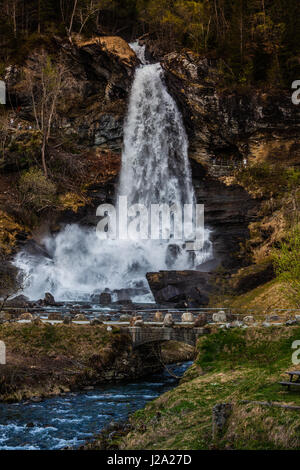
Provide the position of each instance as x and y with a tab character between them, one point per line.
230	130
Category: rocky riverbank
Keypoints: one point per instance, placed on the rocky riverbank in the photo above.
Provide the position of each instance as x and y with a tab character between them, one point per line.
47	360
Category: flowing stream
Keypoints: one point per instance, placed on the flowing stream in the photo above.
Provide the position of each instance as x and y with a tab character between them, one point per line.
155	170
73	419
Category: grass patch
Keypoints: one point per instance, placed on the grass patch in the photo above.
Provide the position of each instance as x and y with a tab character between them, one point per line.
34	340
262	299
232	366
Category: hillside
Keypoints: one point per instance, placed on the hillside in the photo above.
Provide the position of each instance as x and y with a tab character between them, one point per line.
242	368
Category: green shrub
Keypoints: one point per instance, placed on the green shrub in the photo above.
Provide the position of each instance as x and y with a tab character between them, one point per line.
37	191
286	260
268	180
26	146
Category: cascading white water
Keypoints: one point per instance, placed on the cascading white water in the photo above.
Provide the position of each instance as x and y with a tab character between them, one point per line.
155	169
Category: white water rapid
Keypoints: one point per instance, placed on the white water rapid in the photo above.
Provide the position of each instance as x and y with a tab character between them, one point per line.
155	169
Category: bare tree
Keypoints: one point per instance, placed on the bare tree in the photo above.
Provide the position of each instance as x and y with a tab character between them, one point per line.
90	10
46	82
72	18
79	12
10	11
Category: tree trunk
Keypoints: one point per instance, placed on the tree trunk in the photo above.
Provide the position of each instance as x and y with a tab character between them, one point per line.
44	154
72	18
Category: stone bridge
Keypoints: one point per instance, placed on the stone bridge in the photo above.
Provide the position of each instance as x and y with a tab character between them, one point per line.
146	335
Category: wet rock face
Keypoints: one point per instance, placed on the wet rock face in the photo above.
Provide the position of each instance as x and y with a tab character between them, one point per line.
105	298
101	72
109	129
110	58
228	212
226	129
180	288
228	125
105	67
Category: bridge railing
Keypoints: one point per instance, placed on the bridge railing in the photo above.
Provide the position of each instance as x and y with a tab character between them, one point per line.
232	313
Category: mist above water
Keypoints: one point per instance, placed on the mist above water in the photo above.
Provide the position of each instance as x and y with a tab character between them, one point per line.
155	169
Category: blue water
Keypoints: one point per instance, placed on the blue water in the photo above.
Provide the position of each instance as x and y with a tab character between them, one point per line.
71	420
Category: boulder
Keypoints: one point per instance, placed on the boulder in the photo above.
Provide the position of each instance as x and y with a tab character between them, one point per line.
236	324
158	317
201	320
49	299
248	319
26	316
219	317
103	318
67	320
183	288
127	294
139	323
220	415
19	301
272	318
133	320
5	316
125	318
80	317
105	298
37	321
168	320
96	322
291	322
297	318
187	317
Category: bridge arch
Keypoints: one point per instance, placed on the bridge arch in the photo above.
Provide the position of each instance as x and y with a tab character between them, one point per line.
145	335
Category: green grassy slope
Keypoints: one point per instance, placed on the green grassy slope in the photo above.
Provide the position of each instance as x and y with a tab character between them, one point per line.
232	366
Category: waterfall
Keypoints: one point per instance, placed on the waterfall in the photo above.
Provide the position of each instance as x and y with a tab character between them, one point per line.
155	170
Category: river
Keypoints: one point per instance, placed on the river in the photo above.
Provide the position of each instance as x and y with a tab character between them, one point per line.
73	419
